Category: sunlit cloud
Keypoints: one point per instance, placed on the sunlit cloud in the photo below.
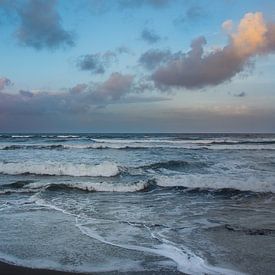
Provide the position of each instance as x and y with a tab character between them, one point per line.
197	69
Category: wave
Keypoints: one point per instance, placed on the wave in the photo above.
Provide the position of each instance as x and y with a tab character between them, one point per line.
105	169
21	136
67	136
48	147
25	187
174	165
158	184
210	182
61	143
260	142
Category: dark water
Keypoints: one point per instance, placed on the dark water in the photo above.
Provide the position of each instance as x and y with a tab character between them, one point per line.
190	203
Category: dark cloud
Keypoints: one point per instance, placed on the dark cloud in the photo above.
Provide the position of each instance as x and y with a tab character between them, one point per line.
4	82
197	69
150	36
41	26
96	63
154	57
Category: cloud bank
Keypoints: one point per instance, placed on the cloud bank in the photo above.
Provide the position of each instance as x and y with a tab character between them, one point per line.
81	98
197	69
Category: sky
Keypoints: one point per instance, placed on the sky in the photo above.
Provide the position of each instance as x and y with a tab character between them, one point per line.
137	66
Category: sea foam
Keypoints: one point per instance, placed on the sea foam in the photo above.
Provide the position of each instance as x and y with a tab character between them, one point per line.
105	169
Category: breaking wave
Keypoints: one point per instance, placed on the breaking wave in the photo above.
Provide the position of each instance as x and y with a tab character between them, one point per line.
105	169
25	187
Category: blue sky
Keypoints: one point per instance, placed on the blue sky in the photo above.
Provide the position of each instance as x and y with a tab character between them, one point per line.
127	66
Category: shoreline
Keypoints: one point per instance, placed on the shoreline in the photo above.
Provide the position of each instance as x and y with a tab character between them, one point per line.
12	269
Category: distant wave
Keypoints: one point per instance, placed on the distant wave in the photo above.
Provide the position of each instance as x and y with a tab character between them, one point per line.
60	144
261	142
69	146
105	169
21	136
32	147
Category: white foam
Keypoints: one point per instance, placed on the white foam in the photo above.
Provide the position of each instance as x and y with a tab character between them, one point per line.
20	136
210	181
186	261
96	186
105	169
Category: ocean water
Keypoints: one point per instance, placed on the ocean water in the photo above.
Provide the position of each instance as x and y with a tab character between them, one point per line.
135	203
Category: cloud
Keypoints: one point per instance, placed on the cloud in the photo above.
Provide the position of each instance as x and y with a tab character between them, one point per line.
150	36
41	25
154	57
193	13
79	99
114	87
227	25
96	63
79	88
4	82
197	69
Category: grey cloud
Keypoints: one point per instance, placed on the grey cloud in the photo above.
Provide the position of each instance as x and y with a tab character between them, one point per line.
114	87
197	69
79	99
41	25
154	57
150	36
96	63
4	82
78	88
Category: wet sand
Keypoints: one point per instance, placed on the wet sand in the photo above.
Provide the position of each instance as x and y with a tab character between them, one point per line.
9	269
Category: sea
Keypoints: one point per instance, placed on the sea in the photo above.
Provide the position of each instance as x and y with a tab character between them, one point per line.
138	203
